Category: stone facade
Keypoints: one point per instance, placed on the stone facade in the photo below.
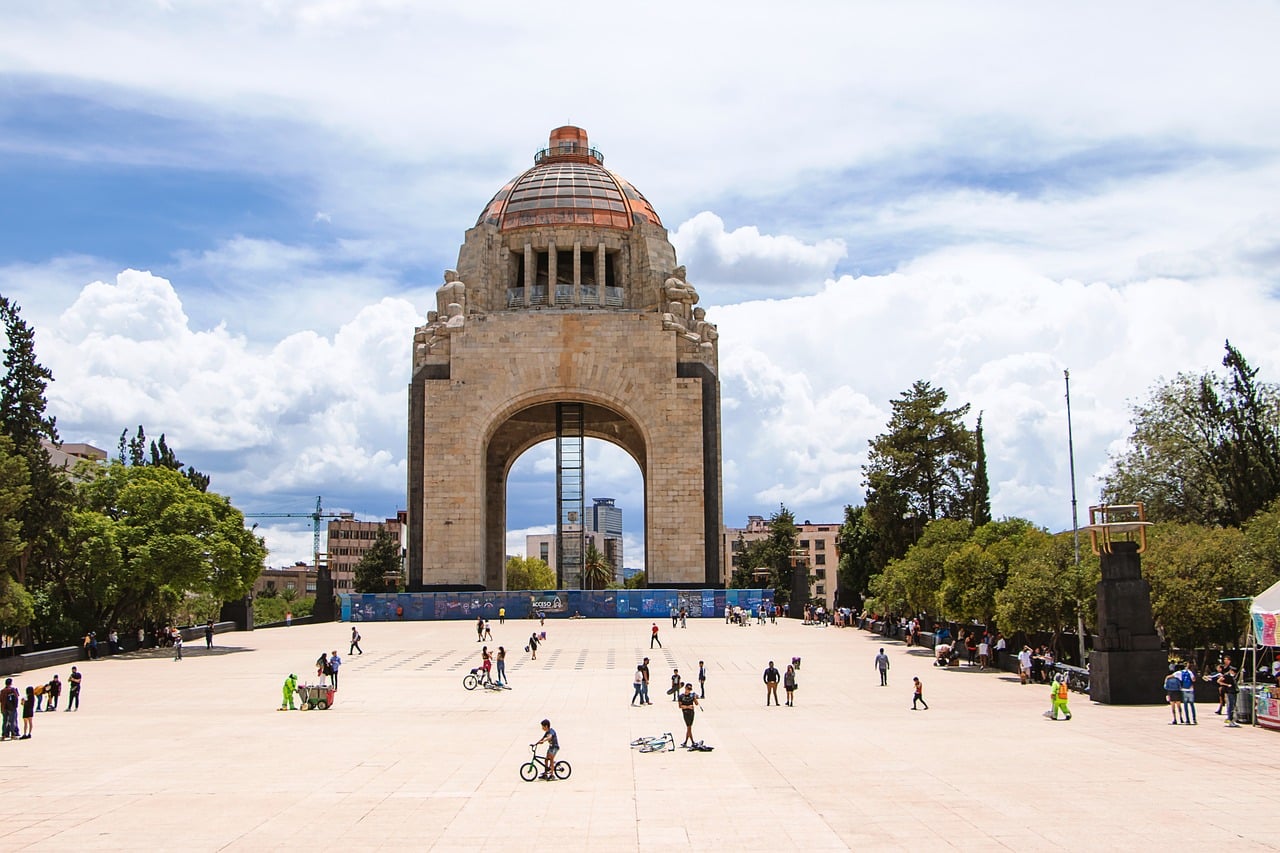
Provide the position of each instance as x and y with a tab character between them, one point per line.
546	308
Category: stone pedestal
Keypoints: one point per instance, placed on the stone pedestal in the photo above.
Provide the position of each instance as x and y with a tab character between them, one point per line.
1127	666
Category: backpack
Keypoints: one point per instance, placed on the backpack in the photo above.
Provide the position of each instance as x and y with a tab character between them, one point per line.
1185	677
1060	691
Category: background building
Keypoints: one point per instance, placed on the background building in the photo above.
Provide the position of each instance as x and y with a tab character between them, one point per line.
603	530
349	540
299	578
818	541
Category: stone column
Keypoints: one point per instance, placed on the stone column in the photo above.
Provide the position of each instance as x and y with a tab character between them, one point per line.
577	272
600	291
530	272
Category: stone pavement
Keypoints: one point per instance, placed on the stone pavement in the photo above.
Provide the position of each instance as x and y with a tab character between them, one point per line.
194	756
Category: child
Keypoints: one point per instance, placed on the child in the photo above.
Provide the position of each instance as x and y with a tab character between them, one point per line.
918	696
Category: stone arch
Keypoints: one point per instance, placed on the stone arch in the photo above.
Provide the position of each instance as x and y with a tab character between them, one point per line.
530	420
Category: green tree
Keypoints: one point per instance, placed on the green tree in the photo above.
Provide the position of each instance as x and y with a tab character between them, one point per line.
1043	591
143	540
131	450
979	568
1204	450
1191	567
856	543
597	573
529	573
981	486
923	465
22	402
17	609
381	561
636	581
912	584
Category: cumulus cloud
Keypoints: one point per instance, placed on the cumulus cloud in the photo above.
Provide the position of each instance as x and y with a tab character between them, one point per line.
808	381
730	265
308	413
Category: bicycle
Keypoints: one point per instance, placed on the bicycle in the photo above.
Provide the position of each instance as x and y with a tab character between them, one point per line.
479	677
537	766
657	743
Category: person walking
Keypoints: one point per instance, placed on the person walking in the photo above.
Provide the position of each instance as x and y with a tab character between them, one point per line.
1173	695
1024	665
702	679
502	666
533	644
488	634
1187	676
9	699
355	642
653	636
771	685
287	690
918	695
479	629
177	645
644	670
882	664
789	684
688	701
334	663
676	684
28	712
1058	695
208	634
73	689
638	685
984	652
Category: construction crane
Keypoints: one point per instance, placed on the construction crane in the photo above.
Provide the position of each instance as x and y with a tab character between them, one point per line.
315	519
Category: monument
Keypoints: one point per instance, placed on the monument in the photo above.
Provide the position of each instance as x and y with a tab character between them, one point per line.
1127	666
567	318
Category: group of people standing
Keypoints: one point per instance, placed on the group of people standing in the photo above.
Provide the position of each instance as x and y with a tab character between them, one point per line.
13	703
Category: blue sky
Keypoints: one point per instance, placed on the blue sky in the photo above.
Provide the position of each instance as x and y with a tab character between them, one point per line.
225	219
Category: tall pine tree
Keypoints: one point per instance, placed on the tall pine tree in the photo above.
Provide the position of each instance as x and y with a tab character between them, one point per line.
981	486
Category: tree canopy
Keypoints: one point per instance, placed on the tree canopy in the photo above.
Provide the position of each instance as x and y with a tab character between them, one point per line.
380	562
143	539
529	573
1205	449
922	468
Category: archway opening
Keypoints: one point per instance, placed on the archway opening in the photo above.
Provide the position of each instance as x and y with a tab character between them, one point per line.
614	521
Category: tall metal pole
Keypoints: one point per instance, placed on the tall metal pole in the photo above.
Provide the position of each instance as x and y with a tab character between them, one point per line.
1075	525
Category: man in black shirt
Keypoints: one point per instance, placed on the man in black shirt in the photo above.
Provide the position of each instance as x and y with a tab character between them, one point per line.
644	668
73	692
688	701
771	685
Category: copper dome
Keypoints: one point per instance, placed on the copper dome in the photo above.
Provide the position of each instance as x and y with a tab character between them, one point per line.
568	185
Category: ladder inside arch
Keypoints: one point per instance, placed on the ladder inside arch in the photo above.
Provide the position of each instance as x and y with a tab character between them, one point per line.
570	491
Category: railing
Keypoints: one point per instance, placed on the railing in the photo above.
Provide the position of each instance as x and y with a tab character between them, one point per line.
613	297
515	297
569	149
589	294
539	295
564	294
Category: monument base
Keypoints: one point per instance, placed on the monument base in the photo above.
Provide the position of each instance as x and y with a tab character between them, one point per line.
1128	678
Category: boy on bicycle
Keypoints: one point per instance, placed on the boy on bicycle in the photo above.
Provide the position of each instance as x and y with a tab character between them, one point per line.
553	746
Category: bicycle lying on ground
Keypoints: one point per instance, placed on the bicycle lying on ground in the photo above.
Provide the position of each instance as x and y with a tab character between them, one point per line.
479	677
537	766
658	743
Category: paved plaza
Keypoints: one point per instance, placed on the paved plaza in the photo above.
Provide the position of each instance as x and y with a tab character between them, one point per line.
194	756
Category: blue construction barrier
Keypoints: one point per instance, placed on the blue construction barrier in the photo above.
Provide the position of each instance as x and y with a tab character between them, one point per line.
556	604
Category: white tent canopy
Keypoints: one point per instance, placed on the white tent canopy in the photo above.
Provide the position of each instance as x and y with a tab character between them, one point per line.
1268	601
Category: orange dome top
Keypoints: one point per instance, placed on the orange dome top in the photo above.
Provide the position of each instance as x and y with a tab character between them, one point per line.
568	185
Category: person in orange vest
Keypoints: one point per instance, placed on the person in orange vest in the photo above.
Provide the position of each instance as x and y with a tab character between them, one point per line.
1059	694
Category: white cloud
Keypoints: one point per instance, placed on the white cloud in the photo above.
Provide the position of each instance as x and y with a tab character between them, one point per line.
746	260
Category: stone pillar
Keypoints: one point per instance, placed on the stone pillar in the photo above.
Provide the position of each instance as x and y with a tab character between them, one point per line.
600	274
551	273
530	272
577	272
1127	666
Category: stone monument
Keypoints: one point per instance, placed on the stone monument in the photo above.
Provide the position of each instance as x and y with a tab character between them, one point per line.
566	318
1127	666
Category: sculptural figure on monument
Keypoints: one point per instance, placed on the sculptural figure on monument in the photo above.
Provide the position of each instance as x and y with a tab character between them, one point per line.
676	289
675	319
706	332
453	291
422	336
